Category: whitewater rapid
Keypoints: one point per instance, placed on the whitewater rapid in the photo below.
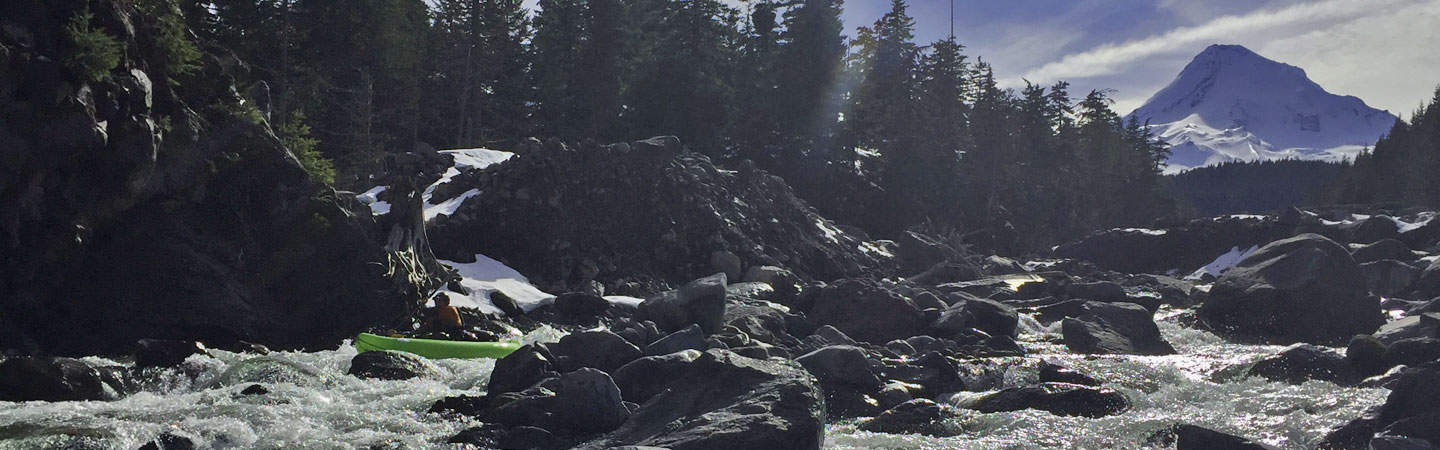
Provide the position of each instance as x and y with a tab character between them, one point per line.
313	404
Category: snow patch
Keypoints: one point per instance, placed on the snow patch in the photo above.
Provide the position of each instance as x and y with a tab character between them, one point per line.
371	198
831	233
485	276
1223	262
624	300
448	207
1143	231
871	247
1422	220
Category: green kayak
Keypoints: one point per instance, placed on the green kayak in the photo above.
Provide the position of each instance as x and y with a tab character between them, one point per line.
435	348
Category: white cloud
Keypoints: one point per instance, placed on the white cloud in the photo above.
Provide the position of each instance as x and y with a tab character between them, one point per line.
1249	28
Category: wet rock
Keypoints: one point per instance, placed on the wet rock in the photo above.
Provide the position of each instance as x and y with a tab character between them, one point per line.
920	416
1053	373
390	365
1383	249
26	379
1121	328
691	338
582	402
725	401
866	310
1056	398
254	389
520	370
1414	394
165	353
992	317
701	302
1389	277
598	349
1413	351
786	284
1190	437
506	304
1367	355
762	321
1302	289
933	374
845	379
503	437
1302	362
1423	325
170	441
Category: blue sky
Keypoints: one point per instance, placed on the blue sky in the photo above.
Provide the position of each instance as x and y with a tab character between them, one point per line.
1386	52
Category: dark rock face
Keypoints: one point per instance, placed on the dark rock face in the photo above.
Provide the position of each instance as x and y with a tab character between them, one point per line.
121	227
164	353
1060	399
1302	289
726	401
598	349
1186	247
520	370
582	402
1123	328
390	365
1303	362
1389	277
992	317
918	416
1190	437
55	380
563	217
701	302
866	310
1414	400
1384	249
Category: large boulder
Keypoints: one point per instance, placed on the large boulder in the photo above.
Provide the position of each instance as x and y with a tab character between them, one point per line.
1303	289
1302	362
1414	400
845	378
520	370
919	416
1417	326
1060	399
725	401
26	379
1191	437
164	352
1123	328
992	317
1384	249
582	402
598	349
1388	277
700	302
390	365
866	310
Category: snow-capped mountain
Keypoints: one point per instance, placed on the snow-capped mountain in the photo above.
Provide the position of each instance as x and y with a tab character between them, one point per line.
1232	104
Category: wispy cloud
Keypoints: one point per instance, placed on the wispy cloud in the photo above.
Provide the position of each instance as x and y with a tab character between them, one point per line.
1258	26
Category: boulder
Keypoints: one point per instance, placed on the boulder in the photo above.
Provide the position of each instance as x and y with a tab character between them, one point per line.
845	378
1301	362
580	305
598	349
867	311
1383	249
919	416
1302	289
1103	291
1417	326
582	402
1388	277
1122	328
1428	286
932	374
690	338
1185	247
786	284
1191	437
390	365
992	317
520	370
170	440
27	378
1366	355
1371	229
1053	373
164	352
700	302
1412	351
643	378
724	401
1414	395
504	437
726	262
1061	399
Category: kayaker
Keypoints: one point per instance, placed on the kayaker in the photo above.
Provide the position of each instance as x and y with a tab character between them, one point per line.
443	317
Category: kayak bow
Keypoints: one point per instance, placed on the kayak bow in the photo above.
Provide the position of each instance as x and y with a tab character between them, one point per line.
435	348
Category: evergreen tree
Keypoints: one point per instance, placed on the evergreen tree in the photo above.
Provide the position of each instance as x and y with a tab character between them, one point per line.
809	69
559	29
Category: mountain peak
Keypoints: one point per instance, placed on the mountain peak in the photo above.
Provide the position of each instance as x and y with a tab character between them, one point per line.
1230	103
